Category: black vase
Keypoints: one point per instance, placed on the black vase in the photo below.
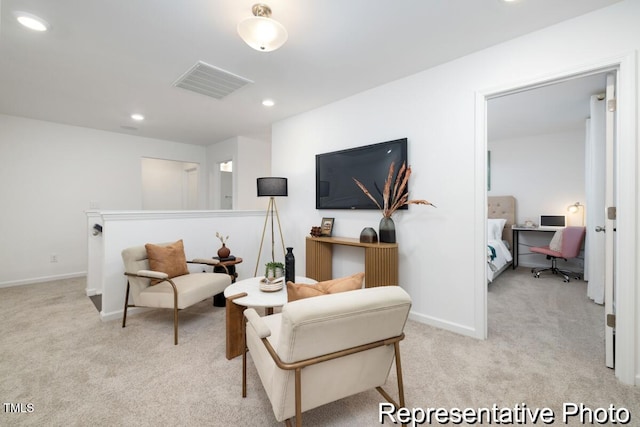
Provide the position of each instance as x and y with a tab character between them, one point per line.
387	230
289	266
368	235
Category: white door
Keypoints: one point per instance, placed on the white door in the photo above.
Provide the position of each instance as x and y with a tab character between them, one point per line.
595	179
226	190
190	192
609	225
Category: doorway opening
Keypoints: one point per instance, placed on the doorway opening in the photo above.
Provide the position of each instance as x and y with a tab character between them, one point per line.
169	184
626	197
226	185
537	140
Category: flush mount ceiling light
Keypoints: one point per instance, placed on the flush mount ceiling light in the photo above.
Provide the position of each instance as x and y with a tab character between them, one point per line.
137	117
268	102
260	31
31	21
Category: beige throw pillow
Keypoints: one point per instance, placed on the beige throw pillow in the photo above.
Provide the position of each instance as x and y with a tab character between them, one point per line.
168	259
556	241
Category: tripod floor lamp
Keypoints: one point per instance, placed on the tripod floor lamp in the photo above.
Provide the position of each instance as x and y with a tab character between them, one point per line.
271	187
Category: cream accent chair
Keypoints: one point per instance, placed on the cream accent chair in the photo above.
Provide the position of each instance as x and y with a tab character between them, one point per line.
322	349
176	293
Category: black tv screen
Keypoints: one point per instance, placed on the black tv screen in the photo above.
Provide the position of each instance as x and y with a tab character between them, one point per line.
335	187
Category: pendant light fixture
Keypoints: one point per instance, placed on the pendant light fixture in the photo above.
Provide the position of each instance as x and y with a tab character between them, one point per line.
31	21
260	31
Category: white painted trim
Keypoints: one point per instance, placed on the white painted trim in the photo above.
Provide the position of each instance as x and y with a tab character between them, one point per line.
51	278
480	207
439	323
627	344
117	315
627	368
149	215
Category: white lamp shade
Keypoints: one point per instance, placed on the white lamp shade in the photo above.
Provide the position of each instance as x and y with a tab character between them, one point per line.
263	34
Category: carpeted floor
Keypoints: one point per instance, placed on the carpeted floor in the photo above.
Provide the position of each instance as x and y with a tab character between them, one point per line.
545	348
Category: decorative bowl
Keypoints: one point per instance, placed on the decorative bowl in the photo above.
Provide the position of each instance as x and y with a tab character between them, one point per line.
271	285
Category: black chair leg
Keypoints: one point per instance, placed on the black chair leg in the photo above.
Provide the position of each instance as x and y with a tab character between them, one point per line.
126	304
566	275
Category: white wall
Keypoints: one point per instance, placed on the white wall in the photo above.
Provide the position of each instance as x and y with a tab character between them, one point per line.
166	186
440	252
51	174
545	173
251	159
254	161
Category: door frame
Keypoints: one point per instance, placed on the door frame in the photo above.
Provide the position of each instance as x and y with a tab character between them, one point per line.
627	351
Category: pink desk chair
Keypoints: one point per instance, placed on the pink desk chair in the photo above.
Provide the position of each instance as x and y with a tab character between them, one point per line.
572	238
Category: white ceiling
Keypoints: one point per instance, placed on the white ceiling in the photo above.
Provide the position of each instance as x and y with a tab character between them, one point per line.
103	60
554	108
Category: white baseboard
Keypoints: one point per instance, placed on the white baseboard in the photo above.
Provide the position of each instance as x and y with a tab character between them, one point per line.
439	323
33	280
117	315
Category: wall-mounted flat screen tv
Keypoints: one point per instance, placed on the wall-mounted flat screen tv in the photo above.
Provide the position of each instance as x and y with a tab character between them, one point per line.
335	188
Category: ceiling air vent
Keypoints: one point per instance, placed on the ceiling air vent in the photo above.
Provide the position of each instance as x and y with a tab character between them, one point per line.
211	81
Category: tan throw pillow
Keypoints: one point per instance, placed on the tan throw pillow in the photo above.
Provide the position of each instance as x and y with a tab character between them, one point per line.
168	259
343	284
296	291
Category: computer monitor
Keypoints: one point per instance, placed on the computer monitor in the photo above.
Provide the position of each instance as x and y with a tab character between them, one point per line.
553	221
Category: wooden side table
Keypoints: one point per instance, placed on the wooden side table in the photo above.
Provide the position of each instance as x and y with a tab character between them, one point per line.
228	267
246	293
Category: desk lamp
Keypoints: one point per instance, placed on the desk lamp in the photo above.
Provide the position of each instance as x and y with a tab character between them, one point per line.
575	208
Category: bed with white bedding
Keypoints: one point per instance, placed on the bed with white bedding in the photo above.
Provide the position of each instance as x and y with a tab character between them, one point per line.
501	218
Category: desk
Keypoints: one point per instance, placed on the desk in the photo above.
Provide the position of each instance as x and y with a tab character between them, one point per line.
516	230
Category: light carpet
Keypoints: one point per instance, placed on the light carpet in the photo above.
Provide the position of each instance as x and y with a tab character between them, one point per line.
545	347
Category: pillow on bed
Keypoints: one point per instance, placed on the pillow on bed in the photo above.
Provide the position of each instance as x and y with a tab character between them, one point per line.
495	227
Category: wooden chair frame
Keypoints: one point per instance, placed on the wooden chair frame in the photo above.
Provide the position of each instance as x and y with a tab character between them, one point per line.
298	366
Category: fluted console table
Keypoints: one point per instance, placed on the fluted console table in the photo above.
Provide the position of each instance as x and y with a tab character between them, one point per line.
380	260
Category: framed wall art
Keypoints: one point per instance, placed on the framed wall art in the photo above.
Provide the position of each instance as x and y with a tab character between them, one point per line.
327	227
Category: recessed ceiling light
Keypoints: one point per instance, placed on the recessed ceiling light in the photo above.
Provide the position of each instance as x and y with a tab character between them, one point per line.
137	117
268	103
31	21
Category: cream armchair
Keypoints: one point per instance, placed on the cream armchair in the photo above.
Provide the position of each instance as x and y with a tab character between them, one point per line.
175	293
322	349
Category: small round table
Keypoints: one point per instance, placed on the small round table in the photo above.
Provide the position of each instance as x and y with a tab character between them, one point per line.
246	293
